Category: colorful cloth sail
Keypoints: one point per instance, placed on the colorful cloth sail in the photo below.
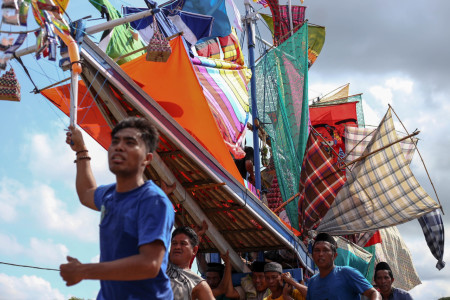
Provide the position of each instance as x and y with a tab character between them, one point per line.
380	191
394	251
282	103
184	101
357	139
350	254
119	40
433	229
320	182
316	39
214	8
281	23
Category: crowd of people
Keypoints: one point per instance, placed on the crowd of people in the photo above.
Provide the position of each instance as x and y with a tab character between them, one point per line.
141	258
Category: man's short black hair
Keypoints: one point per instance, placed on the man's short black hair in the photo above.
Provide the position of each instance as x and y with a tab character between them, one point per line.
258	266
149	133
189	232
325	237
383	266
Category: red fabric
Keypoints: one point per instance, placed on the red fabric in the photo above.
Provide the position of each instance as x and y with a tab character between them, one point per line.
375	239
330	122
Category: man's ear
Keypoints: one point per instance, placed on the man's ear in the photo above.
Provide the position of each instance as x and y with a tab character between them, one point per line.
148	158
195	250
335	255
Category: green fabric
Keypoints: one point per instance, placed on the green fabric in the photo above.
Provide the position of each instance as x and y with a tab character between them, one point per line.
122	41
371	272
282	98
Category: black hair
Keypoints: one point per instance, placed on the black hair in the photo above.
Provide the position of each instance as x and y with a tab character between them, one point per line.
258	266
325	237
383	266
189	232
149	133
216	267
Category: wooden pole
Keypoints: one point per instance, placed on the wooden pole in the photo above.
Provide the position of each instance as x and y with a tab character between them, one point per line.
286	203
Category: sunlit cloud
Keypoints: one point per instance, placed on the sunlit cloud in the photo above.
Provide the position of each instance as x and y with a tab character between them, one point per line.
27	287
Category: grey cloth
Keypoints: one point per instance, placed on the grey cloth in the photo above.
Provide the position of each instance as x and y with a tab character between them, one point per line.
182	282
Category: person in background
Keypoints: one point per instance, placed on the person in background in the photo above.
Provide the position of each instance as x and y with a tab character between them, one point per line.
136	217
186	285
335	282
253	286
282	286
245	165
383	279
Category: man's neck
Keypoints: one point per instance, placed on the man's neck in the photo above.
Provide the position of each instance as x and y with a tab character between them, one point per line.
276	294
387	295
324	272
127	184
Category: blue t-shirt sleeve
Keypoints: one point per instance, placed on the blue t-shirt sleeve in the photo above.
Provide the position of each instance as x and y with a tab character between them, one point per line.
155	219
357	280
99	195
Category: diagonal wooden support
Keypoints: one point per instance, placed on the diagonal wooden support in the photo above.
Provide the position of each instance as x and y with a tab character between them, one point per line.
197	214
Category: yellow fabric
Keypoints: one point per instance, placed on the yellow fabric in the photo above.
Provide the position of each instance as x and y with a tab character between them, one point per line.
296	295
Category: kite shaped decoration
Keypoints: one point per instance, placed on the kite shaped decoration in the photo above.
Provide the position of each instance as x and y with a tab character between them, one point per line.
381	191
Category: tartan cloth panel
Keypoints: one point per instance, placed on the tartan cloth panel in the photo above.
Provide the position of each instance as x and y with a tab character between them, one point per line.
357	139
320	181
394	251
380	191
280	14
433	229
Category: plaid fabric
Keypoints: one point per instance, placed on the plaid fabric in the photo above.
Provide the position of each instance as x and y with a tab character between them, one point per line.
380	191
320	181
357	139
280	14
433	229
394	251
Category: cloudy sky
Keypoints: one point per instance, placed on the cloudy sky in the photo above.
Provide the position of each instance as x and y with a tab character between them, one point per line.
393	52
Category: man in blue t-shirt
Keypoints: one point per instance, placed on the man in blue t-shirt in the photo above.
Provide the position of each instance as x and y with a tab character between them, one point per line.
332	282
136	217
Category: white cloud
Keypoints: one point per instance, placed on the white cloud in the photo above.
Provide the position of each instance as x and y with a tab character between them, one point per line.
382	94
400	84
11	196
47	252
9	245
41	252
27	287
53	214
431	289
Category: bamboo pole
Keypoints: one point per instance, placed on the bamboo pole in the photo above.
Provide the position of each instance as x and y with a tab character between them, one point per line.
286	202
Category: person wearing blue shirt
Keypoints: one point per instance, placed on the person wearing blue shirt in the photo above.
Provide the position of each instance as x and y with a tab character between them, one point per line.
334	282
383	279
136	217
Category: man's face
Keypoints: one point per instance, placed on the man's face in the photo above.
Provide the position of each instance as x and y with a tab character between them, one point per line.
213	279
181	251
273	280
384	281
127	154
259	281
323	255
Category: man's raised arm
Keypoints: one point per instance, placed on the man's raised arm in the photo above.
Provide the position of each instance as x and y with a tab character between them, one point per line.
85	181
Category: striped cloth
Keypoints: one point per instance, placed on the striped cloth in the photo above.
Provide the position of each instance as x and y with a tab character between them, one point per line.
394	251
433	229
357	139
320	181
380	191
225	87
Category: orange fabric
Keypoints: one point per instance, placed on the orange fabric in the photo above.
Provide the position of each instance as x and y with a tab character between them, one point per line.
89	116
174	85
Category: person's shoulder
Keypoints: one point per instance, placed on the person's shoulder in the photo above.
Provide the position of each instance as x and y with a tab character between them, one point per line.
103	190
399	291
